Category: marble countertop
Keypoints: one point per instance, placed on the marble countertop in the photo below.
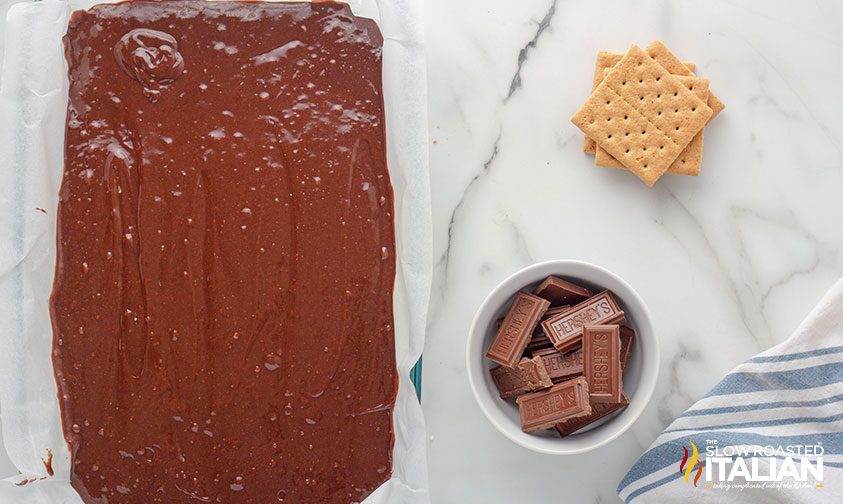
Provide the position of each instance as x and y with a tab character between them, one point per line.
728	262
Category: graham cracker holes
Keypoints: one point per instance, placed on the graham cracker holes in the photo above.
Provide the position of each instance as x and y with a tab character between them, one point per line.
658	134
655	136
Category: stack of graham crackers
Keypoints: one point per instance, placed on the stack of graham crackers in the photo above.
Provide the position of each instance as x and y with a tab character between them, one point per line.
646	113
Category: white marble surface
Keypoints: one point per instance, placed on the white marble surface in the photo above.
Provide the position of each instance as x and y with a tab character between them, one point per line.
729	262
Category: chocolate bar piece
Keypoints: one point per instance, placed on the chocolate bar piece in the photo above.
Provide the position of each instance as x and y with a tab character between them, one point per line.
601	347
539	339
527	376
542	410
555	310
627	340
516	329
560	292
565	329
538	342
558	366
598	411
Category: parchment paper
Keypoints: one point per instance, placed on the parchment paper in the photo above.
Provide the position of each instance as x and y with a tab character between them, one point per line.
33	105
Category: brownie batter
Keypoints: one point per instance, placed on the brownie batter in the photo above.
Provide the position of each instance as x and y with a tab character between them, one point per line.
222	308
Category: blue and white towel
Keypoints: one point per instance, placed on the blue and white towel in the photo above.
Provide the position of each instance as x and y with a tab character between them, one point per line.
777	416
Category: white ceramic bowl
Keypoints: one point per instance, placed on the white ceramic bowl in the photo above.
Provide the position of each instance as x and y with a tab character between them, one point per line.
639	379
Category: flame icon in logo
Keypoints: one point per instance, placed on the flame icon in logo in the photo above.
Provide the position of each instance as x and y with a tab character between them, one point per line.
687	466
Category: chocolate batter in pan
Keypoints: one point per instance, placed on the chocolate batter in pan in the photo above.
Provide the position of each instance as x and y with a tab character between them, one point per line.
222	308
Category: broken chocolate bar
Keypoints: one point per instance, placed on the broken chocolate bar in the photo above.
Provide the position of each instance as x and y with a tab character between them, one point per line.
565	329
542	410
598	411
516	329
601	346
558	366
527	376
560	292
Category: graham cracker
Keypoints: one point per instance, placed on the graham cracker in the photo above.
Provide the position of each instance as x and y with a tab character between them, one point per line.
631	114
659	52
689	160
605	61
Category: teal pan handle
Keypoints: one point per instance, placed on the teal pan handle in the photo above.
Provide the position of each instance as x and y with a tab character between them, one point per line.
416	377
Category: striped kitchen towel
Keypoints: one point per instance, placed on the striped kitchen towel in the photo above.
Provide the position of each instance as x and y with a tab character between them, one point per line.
770	431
